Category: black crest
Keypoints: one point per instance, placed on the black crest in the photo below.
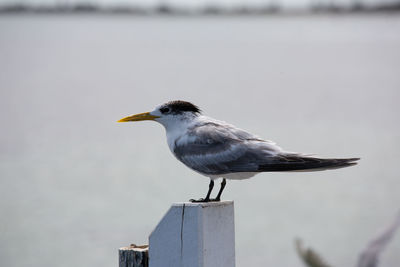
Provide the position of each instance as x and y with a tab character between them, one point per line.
179	106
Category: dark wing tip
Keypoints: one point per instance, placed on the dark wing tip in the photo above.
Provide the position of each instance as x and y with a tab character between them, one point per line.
303	163
350	161
353	159
339	163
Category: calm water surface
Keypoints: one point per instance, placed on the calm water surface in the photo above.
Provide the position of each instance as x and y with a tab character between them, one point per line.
75	185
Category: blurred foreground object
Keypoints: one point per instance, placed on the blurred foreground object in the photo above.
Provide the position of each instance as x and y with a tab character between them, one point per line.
309	256
368	257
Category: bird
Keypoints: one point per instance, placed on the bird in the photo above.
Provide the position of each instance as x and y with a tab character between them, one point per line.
217	149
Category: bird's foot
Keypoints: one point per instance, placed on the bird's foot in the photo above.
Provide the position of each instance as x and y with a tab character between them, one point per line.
204	200
200	200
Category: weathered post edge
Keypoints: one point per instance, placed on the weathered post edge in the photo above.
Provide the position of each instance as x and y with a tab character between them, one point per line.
134	256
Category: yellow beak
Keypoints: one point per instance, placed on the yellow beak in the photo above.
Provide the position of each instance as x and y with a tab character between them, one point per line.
139	117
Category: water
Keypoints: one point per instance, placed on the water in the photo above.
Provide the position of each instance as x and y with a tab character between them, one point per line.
75	185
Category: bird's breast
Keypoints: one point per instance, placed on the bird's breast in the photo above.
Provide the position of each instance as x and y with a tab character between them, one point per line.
176	137
178	134
179	139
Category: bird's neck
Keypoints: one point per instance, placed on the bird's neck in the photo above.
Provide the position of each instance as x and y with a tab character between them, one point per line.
176	130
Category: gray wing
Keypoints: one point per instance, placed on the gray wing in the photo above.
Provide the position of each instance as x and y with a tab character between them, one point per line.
369	256
216	148
213	149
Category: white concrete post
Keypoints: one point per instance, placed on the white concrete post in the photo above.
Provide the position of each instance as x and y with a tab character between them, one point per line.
194	235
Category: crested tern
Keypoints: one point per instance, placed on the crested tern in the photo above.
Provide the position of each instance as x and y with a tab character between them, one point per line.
217	149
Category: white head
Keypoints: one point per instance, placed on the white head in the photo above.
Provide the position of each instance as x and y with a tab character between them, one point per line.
168	114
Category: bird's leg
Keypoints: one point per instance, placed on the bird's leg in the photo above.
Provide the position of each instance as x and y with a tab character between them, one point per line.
210	188
218	198
207	199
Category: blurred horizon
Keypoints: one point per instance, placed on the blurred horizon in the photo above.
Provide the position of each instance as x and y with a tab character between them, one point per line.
179	7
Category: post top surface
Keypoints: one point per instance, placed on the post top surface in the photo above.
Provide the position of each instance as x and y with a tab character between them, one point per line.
134	249
203	204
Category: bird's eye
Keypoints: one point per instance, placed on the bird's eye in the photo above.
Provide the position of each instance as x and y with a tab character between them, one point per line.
164	110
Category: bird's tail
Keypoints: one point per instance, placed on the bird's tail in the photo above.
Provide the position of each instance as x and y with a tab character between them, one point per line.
296	162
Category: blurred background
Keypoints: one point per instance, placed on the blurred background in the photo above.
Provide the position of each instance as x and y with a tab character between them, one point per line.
320	77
